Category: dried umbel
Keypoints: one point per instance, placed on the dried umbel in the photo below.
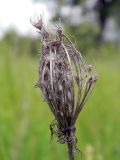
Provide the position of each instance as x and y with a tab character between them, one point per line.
66	82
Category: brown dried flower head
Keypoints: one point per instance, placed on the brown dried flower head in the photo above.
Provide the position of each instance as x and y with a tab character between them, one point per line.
66	82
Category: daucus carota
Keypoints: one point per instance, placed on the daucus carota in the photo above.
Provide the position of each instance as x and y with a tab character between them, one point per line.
66	82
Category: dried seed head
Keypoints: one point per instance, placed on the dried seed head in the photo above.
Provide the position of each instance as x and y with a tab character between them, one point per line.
62	70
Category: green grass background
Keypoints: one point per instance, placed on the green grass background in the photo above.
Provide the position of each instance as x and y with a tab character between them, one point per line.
25	118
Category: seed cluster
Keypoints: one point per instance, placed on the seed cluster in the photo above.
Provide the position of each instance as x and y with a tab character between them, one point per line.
66	82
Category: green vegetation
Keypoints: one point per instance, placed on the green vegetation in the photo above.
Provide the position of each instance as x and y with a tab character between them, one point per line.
24	117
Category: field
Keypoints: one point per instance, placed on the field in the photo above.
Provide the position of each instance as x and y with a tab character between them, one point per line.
25	117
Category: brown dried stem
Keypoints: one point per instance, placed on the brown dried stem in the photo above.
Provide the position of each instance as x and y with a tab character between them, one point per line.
70	151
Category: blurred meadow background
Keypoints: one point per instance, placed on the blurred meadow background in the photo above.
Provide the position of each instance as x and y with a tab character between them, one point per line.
94	27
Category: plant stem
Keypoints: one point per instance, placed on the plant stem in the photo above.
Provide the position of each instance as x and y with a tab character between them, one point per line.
70	150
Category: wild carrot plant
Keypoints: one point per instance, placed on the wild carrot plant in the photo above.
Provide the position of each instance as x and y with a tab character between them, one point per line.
66	82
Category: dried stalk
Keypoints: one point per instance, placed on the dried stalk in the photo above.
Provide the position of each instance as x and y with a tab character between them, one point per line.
70	151
62	70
